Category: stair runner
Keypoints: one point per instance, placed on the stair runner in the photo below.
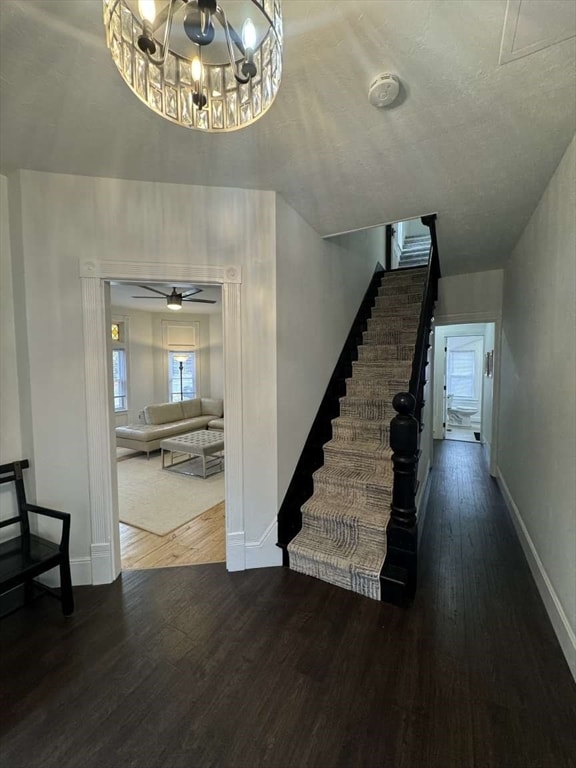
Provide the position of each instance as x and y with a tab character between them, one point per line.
343	536
415	251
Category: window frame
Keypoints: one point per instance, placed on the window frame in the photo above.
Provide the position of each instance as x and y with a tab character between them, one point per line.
120	346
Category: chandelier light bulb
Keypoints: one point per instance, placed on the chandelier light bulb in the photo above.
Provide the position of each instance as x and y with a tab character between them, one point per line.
249	35
147	9
196	70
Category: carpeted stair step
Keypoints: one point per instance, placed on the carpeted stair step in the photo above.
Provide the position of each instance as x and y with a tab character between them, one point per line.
410	297
406	278
376	409
382	369
344	522
397	289
393	352
374	389
353	569
357	486
362	455
383	334
391	323
353	427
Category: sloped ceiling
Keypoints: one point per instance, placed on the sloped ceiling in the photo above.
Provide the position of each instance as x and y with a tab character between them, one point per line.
470	138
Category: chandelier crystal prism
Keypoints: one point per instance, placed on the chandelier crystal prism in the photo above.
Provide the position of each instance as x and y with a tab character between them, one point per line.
198	64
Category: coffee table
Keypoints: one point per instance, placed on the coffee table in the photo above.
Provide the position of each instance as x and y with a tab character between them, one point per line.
202	443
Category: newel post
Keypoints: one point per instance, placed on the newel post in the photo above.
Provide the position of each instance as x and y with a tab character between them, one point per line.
399	572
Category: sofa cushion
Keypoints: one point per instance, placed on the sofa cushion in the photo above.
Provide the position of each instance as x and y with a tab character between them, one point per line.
149	432
163	413
212	407
191	408
216	424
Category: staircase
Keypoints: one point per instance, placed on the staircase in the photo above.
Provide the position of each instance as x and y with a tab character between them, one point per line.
415	251
343	535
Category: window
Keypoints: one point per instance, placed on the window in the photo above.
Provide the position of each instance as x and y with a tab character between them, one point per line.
119	366
119	376
181	375
461	373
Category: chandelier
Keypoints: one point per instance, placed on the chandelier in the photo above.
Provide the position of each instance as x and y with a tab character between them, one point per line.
194	62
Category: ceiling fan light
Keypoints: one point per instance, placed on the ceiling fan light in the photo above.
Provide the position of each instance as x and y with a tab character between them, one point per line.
174	302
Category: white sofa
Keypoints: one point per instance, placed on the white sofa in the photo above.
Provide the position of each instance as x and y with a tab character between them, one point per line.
168	419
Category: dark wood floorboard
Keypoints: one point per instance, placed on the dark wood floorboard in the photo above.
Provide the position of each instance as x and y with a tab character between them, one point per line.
197	667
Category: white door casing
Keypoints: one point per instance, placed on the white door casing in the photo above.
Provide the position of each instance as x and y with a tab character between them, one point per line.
105	537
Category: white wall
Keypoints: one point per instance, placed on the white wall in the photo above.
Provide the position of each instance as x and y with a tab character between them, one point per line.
60	220
477	293
10	439
367	243
320	286
537	453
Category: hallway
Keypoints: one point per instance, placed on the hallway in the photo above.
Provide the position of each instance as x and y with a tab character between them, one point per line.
200	667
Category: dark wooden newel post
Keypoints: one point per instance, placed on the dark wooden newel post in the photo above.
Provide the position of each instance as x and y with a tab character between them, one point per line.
398	577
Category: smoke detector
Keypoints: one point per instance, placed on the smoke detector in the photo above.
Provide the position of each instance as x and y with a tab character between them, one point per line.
384	90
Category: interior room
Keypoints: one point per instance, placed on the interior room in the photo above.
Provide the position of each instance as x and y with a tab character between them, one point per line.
167	350
379	198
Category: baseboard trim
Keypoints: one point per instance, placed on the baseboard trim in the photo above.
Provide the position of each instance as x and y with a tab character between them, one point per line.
101	559
235	551
564	632
264	553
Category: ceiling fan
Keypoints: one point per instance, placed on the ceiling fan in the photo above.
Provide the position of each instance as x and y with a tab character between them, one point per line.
174	300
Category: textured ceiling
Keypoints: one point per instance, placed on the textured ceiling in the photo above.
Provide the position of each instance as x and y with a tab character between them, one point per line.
471	139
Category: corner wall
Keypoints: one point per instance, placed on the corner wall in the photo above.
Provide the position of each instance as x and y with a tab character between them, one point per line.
61	221
537	436
10	433
319	288
10	437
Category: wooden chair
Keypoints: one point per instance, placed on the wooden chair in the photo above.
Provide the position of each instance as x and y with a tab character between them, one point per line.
26	556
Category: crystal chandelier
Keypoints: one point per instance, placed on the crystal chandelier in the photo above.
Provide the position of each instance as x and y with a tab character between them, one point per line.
188	61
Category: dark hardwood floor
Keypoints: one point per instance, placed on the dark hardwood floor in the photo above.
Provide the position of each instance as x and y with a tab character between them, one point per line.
196	667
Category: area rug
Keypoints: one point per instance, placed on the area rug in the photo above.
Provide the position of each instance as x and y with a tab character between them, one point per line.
160	501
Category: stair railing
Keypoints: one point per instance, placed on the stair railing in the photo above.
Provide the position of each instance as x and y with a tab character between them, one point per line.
398	577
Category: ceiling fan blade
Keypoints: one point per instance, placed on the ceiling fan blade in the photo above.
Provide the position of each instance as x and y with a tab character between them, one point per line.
149	297
192	292
147	288
201	301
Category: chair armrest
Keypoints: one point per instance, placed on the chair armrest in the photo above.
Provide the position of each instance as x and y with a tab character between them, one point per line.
57	515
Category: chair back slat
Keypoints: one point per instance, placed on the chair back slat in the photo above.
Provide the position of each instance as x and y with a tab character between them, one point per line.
12	473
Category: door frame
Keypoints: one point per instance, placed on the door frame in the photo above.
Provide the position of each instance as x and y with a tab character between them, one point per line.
445	369
468	319
103	501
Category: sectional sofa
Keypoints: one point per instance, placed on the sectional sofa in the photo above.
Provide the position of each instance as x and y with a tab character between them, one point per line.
168	419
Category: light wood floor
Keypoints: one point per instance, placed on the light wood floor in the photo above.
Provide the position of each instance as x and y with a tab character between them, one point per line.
202	540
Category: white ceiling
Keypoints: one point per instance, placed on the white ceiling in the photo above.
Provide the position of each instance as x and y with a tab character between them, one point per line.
470	138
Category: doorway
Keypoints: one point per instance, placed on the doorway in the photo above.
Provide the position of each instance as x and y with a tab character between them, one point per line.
166	352
105	547
462	389
464	383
